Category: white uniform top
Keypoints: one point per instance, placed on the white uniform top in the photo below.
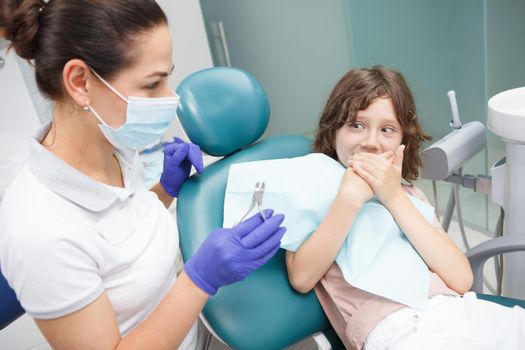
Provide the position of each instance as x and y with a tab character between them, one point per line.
65	239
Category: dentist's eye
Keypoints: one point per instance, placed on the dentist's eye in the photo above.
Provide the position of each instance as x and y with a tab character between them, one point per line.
153	86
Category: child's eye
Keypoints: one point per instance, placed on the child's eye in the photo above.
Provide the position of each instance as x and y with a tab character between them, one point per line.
388	130
356	126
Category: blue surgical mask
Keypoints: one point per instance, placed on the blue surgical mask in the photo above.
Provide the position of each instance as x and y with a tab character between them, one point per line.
147	119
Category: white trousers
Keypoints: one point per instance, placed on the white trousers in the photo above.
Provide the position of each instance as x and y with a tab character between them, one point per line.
450	322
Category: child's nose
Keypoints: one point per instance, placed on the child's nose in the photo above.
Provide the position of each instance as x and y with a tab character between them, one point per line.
370	142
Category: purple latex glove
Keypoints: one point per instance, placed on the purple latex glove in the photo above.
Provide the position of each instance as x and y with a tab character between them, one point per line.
179	156
229	255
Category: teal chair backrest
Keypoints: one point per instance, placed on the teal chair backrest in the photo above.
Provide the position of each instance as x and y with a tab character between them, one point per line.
225	110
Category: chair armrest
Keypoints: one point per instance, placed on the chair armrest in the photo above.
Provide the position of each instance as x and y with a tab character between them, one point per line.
479	254
322	342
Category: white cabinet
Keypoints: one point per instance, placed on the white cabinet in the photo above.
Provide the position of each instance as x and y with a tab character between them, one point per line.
18	116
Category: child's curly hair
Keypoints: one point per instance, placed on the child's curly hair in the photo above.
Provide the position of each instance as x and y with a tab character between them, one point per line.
353	93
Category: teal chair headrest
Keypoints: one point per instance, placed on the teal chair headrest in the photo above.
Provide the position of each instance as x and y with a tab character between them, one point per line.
222	109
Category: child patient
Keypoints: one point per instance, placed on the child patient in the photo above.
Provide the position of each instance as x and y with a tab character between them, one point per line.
370	126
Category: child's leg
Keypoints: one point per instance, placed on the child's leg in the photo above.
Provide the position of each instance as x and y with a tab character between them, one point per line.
442	325
468	323
393	329
506	325
452	323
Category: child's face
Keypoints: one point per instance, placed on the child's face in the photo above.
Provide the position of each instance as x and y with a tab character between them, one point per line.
375	130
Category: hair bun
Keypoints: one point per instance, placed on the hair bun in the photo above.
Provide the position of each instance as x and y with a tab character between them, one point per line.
22	27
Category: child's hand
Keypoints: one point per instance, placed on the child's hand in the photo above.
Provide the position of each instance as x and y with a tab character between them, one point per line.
354	187
382	174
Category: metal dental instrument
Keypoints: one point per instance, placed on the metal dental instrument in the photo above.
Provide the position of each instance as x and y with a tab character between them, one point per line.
257	198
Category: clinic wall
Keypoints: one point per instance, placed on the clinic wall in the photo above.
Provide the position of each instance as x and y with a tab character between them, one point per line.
437	44
474	47
505	45
297	50
18	116
505	33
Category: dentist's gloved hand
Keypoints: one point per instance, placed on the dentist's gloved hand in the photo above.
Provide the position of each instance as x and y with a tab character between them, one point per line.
230	254
179	156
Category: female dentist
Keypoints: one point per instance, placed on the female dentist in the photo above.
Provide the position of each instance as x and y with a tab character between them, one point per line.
89	251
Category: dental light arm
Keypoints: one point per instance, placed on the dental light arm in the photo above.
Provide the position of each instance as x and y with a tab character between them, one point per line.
456	122
443	159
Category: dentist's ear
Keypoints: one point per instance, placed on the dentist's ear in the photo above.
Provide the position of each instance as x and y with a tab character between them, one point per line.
75	79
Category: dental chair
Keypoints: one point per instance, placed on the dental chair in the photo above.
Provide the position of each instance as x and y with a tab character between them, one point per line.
224	111
479	255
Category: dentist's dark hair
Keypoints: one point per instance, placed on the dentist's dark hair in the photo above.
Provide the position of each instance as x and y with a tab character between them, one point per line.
356	90
6	8
102	33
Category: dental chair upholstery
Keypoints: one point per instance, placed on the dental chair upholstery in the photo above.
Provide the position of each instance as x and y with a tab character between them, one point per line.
225	110
10	308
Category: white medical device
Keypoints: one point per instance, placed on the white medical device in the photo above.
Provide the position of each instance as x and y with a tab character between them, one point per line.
444	161
455	123
448	154
506	118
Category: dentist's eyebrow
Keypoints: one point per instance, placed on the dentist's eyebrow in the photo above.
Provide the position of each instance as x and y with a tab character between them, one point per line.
162	74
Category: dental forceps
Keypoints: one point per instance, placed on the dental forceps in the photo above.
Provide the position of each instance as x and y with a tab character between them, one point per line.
256	199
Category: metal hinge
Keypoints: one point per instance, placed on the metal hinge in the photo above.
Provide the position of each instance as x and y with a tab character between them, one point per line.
479	183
